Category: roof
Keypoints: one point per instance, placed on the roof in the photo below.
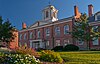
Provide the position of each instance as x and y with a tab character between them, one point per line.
91	18
38	25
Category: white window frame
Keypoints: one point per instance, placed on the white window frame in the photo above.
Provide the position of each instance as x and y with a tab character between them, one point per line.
57	30
47	32
31	35
66	29
66	42
58	43
25	36
38	34
95	42
47	43
20	36
98	17
31	44
80	42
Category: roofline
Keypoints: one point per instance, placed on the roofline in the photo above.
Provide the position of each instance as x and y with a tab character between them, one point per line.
52	23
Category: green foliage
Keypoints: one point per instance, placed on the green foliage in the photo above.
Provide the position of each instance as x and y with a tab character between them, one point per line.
18	59
25	50
71	47
50	56
82	30
1	54
5	50
6	31
58	48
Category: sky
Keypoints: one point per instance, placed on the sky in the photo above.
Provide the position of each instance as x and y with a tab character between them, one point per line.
30	11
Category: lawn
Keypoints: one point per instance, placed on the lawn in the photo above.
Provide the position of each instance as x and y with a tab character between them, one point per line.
81	57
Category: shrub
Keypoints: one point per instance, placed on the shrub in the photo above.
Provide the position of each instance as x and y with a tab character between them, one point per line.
19	59
71	47
58	48
25	50
40	49
50	56
4	50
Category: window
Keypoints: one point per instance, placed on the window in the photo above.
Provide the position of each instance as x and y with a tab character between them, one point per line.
57	42
38	34
47	32
24	36
31	35
80	42
20	36
95	41
98	17
66	42
47	43
47	14
66	29
95	28
31	44
57	31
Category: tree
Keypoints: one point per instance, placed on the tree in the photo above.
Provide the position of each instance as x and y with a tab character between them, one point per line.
6	31
83	31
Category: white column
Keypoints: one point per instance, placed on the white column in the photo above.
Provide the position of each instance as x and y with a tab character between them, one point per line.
40	44
30	44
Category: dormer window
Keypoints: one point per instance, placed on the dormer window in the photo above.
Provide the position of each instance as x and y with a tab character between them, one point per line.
98	17
47	14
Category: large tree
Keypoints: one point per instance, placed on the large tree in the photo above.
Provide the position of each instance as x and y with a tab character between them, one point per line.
6	31
83	31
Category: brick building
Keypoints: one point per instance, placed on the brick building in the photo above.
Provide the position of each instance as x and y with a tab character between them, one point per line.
51	31
14	43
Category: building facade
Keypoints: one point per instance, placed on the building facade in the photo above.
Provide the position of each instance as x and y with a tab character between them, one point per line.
14	43
51	32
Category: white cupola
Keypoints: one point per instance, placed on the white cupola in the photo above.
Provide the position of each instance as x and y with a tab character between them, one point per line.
50	14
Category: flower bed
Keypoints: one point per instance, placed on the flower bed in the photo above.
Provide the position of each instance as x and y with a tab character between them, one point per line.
18	59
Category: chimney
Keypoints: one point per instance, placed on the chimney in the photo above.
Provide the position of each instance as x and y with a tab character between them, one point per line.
23	25
90	10
76	12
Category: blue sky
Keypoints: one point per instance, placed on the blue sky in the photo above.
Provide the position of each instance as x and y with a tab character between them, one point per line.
29	11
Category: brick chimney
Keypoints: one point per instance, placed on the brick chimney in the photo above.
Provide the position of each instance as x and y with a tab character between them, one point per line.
76	12
90	10
24	25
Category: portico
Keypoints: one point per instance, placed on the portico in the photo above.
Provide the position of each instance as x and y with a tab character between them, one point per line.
37	44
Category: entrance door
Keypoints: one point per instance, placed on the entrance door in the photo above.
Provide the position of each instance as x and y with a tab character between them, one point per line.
36	45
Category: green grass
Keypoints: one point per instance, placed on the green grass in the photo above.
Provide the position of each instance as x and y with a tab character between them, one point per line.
81	57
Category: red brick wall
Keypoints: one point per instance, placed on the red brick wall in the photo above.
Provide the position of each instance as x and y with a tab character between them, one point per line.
14	43
43	36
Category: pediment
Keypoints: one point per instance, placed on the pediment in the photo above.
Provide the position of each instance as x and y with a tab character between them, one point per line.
34	25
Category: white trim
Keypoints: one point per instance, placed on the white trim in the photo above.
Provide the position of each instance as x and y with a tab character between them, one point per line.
94	23
45	25
36	40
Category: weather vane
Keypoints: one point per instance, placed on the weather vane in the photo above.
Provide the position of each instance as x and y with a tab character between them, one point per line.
49	2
